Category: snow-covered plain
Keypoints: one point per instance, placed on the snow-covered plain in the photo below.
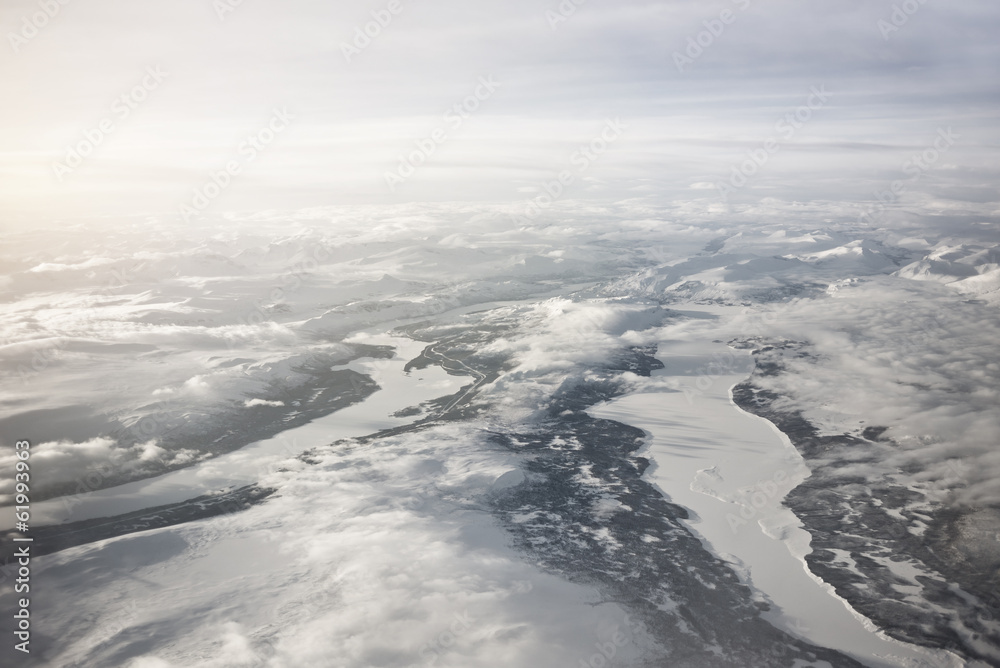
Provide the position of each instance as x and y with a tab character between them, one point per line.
387	551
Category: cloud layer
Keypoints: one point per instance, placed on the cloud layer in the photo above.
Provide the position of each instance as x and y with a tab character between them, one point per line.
354	120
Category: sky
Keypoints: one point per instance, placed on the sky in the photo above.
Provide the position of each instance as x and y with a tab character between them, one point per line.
162	96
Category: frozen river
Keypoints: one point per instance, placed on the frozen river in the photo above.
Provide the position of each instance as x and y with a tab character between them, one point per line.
247	465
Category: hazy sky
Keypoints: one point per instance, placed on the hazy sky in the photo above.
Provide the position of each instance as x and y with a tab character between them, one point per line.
225	70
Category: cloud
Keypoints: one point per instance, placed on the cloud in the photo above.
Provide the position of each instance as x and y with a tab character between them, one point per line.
910	357
250	403
560	341
72	462
557	88
376	556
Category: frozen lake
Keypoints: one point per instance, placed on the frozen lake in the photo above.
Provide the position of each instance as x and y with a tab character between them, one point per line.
731	470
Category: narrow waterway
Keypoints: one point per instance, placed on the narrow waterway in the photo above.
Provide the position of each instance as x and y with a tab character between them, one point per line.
247	465
731	470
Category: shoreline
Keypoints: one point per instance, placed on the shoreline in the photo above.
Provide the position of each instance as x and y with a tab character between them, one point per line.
714	462
247	465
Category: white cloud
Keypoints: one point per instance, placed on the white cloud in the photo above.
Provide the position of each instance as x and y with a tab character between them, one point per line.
250	403
71	462
375	556
907	357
